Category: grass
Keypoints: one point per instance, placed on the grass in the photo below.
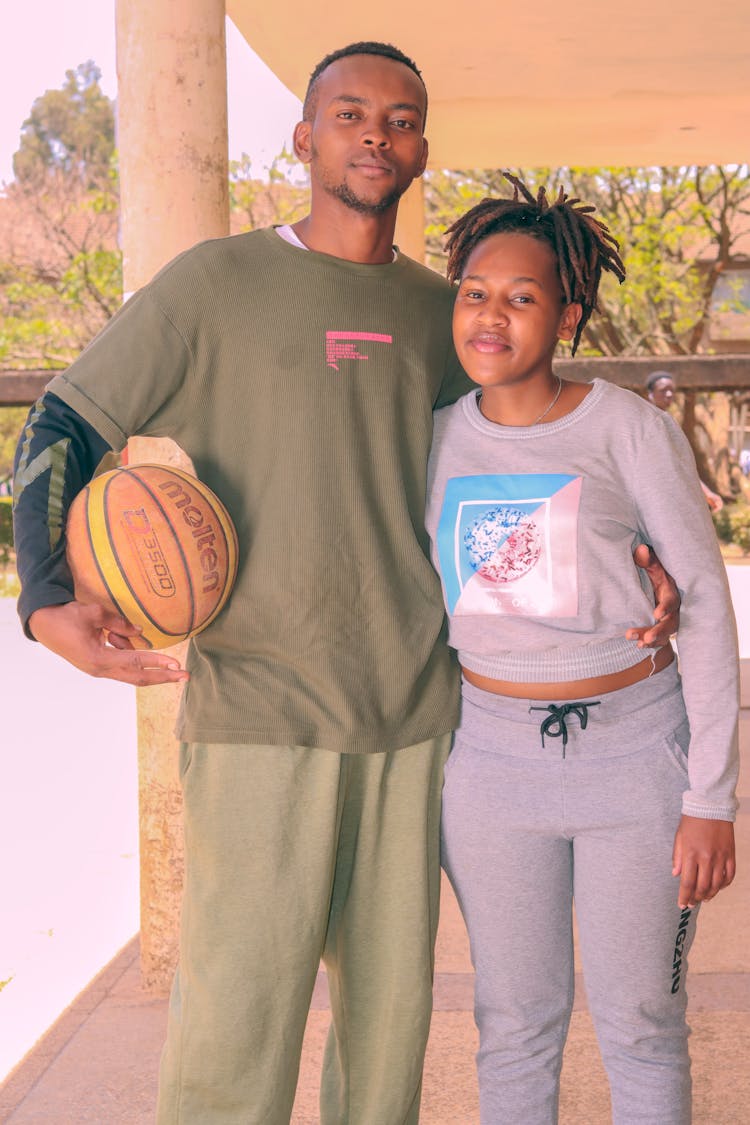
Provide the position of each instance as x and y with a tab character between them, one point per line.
10	587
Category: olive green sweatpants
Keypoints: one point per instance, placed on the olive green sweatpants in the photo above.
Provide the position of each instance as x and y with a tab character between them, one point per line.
293	854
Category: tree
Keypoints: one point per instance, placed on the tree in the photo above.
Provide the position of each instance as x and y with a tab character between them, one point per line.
71	130
12	419
60	267
277	197
679	229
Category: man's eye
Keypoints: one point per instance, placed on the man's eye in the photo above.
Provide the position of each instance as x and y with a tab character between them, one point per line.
402	123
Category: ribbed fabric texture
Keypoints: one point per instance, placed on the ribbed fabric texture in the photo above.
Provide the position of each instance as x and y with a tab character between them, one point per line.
302	388
638	484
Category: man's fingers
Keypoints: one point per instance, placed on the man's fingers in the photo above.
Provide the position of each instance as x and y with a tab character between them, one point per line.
118	641
667	599
140	668
79	632
658	634
644	556
653	636
114	622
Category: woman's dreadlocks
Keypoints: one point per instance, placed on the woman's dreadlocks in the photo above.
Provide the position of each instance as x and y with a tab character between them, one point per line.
582	244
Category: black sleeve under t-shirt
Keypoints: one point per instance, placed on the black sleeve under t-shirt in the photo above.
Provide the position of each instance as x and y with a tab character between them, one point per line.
58	453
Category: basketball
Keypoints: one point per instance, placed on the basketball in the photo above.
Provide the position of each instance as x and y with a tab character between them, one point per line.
156	545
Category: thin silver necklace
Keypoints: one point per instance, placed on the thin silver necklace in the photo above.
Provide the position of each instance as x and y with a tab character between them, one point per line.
547	409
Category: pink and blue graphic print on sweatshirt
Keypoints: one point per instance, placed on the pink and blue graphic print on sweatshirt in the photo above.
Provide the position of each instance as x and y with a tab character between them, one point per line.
508	544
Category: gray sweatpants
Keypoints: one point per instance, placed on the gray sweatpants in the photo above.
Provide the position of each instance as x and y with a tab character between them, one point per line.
528	828
295	853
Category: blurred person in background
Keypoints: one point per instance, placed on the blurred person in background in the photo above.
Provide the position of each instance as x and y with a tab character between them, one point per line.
660	388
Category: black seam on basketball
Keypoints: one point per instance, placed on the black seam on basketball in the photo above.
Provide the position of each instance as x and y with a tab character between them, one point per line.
214	500
102	575
165	632
132	471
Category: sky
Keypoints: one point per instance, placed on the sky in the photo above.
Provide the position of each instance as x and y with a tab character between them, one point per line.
41	39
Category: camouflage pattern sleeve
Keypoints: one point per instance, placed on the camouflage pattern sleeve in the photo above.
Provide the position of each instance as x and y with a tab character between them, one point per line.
57	454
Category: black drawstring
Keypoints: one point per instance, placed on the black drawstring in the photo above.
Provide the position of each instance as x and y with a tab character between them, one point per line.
554	724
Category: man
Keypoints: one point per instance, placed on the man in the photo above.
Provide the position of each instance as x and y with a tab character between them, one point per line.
661	388
299	370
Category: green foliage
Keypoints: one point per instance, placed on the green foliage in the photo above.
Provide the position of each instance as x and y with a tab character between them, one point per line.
678	229
6	530
732	525
278	195
40	325
12	419
60	266
71	130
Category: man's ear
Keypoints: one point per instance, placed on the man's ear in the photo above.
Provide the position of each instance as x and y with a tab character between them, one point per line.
425	154
569	321
302	141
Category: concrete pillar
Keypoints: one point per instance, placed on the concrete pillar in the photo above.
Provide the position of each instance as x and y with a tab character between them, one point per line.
172	142
410	222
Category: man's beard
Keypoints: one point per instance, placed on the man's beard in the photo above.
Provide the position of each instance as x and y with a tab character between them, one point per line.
364	206
344	193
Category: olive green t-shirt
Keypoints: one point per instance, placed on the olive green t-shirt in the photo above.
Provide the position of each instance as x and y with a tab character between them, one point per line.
302	387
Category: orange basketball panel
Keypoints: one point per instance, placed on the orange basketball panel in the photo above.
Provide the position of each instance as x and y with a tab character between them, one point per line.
156	544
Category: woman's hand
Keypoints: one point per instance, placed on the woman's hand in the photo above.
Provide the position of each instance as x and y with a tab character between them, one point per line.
703	857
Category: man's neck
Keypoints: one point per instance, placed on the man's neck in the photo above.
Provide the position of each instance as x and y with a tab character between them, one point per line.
344	233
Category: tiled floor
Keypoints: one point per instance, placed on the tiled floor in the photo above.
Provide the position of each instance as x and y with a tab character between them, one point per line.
99	1062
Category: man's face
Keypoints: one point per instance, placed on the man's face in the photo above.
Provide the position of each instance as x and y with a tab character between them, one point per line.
364	144
662	393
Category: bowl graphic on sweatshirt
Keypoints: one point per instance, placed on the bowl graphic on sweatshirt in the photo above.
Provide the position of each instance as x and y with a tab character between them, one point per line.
503	544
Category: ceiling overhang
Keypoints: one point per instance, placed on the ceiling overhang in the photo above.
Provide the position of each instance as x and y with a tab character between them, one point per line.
596	84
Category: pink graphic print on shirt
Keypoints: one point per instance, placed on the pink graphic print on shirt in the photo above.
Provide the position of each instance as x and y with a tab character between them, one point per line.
343	345
509	545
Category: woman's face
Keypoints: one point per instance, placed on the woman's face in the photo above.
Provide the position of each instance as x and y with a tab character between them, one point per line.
510	311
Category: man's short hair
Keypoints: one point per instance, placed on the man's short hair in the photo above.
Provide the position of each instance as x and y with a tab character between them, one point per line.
366	47
655	376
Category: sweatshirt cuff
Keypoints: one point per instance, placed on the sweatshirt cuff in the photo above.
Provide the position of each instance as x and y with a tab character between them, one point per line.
30	603
693	805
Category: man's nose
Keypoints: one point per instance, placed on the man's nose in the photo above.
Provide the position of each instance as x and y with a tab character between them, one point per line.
375	136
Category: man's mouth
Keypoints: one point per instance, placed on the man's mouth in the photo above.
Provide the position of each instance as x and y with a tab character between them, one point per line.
373	167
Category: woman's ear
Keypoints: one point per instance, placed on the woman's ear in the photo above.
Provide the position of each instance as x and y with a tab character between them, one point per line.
569	321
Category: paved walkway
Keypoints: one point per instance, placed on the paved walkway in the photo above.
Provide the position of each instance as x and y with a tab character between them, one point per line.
69	895
98	1063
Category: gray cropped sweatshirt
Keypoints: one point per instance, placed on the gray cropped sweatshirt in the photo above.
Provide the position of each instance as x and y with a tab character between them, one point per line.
532	532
